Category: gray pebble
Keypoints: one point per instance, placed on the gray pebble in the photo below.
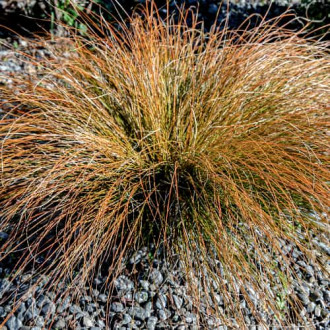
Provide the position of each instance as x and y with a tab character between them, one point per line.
317	311
316	294
144	285
91	308
2	312
102	298
31	313
100	323
176	317
3	236
303	298
87	322
40	321
117	307
126	319
137	312
48	309
74	309
156	277
148	309
128	296
152	321
311	307
41	300
60	324
136	258
190	318
161	301
178	301
141	297
163	314
14	323
213	9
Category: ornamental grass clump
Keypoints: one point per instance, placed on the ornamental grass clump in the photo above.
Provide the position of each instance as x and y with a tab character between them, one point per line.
212	145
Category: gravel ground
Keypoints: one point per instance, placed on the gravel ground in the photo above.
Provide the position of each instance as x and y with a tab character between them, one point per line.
29	15
150	294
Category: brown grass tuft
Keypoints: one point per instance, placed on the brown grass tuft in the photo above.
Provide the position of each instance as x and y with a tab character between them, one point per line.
214	145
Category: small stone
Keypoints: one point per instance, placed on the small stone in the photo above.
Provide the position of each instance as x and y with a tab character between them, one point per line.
178	301
123	284
60	324
144	285
126	319
95	293
101	324
153	289
65	305
79	316
23	43
309	271
97	281
3	236
40	321
48	309
190	318
317	311
311	307
127	296
148	309
141	297
156	277
151	324
326	296
90	308
176	318
303	298
218	299
137	312
162	314
102	298
14	323
323	246
31	313
41	301
182	327
136	258
21	310
117	307
213	9
316	295
74	309
325	313
87	322
51	295
303	312
161	301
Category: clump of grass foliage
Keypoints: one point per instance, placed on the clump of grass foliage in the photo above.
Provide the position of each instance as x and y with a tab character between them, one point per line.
211	144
